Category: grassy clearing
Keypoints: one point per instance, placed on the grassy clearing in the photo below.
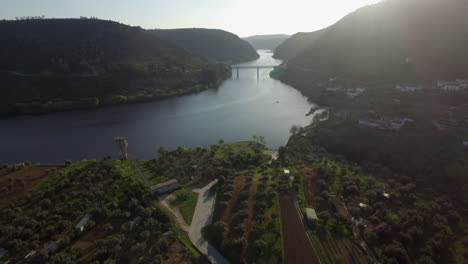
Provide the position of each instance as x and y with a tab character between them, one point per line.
150	174
186	201
244	147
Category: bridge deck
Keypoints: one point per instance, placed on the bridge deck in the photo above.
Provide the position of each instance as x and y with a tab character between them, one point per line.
253	67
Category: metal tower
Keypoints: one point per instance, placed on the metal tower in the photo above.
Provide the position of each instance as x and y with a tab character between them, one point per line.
122	144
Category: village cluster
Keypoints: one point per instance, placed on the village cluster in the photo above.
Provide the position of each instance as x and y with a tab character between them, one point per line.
446	120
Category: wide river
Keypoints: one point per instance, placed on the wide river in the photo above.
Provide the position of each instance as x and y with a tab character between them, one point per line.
236	111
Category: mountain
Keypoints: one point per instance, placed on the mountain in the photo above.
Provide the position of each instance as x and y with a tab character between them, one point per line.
210	44
266	42
392	40
63	64
296	44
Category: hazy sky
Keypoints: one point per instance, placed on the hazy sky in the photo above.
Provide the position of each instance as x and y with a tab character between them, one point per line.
242	17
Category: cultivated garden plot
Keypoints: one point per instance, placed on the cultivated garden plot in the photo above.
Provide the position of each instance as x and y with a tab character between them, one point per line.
247	216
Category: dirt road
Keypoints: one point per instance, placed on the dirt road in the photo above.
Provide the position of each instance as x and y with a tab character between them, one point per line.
297	246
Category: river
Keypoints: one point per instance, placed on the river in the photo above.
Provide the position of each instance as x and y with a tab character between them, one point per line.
237	110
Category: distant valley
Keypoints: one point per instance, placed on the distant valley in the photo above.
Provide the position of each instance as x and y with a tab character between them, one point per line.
266	42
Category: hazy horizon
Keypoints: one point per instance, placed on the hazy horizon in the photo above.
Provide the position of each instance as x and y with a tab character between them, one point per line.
241	17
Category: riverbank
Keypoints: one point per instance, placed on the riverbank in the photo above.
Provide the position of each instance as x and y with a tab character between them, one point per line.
237	110
91	103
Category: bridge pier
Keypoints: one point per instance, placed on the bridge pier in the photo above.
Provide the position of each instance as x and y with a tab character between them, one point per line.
252	67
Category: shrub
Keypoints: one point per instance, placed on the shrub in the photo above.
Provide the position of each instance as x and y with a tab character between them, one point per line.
214	232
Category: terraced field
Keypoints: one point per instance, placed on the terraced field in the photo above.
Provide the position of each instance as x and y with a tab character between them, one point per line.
297	246
334	250
251	213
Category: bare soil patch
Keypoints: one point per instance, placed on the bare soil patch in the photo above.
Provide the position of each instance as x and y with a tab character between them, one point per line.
249	222
22	181
311	189
238	186
297	246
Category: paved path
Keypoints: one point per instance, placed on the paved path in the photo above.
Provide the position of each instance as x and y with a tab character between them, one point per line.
202	217
273	153
175	211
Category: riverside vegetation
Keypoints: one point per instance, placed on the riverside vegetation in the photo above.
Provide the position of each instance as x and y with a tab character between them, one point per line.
52	65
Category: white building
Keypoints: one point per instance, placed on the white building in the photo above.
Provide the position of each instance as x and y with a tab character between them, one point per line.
385	124
311	216
363	123
453	86
408	88
3	252
334	89
356	92
81	225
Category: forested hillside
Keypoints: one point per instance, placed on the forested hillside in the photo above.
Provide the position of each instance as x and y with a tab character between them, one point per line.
61	64
376	73
266	42
392	40
210	44
295	44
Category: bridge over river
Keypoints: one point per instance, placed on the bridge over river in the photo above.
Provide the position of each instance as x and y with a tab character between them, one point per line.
258	67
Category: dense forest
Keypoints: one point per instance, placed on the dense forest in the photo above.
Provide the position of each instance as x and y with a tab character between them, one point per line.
62	64
295	44
391	40
210	44
266	42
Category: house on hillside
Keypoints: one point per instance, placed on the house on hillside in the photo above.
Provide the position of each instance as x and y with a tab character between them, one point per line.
3	252
165	187
334	89
453	86
286	174
51	246
386	124
81	225
408	88
340	207
31	254
311	217
356	92
283	188
448	123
